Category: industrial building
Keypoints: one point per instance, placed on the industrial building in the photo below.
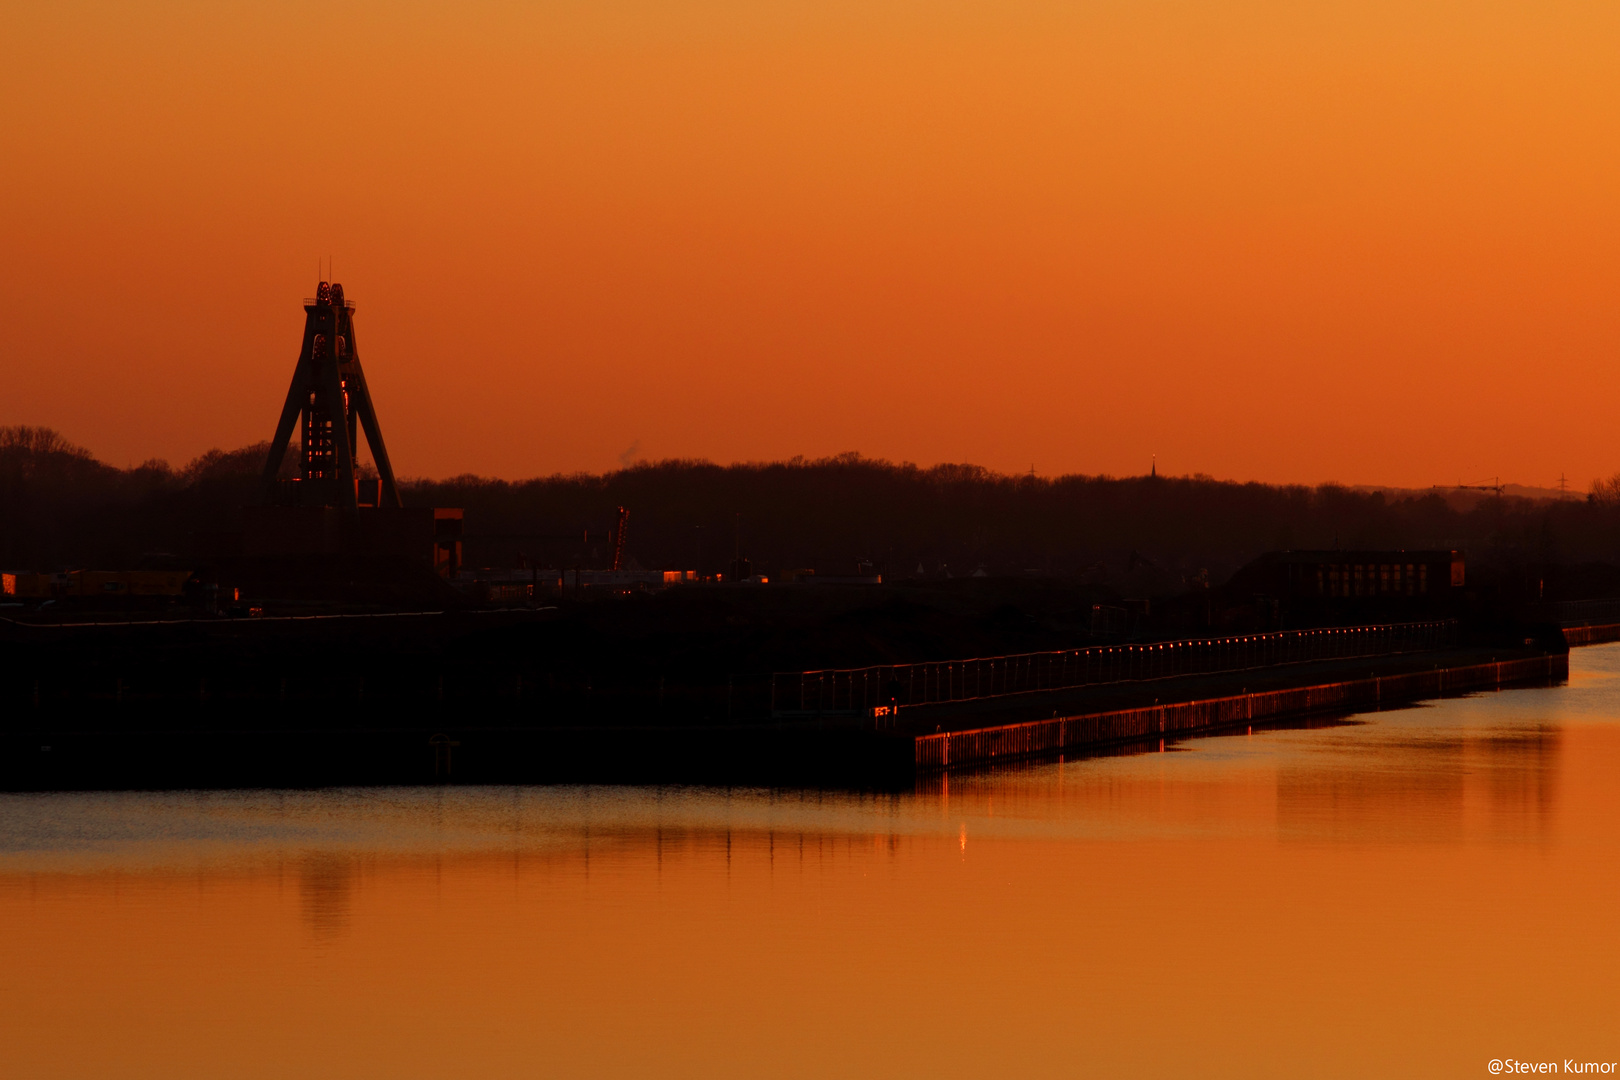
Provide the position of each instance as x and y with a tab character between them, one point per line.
99	584
1366	574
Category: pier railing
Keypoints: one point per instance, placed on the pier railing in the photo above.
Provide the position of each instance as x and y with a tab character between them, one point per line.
1586	612
1041	737
857	690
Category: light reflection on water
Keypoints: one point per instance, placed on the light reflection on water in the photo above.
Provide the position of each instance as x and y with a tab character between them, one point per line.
1412	892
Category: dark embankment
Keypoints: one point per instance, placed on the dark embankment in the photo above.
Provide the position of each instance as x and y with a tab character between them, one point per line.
337	681
665	688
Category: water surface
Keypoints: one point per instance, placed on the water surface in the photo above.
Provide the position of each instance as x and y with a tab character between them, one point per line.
1410	894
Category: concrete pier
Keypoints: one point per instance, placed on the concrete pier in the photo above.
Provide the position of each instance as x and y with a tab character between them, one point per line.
1591	634
979	746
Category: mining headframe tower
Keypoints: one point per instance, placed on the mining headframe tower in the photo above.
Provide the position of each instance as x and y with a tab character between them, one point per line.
329	507
329	392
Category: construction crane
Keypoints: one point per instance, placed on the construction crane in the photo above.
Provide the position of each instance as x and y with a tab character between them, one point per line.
1495	486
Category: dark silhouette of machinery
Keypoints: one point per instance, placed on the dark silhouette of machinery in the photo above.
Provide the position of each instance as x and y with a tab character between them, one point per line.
329	508
329	392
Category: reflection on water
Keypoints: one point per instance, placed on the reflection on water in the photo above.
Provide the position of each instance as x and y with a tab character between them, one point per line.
325	880
1411	893
1428	785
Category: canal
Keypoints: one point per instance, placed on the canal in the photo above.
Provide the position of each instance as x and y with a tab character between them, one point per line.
1406	893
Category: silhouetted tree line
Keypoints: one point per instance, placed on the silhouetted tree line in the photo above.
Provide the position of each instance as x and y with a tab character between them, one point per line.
60	507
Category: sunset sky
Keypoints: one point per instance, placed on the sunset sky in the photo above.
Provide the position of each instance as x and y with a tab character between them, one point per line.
1369	241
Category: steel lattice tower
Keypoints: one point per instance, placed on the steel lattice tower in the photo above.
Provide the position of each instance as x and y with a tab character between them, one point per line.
329	392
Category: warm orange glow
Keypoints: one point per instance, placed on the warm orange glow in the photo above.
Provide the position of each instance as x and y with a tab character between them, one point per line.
1370	241
1408	898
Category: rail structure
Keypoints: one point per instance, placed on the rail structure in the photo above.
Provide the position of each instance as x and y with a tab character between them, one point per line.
1590	634
1587	622
1008	741
1586	612
854	691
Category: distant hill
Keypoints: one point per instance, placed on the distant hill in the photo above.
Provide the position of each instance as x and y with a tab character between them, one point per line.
1135	535
1465	499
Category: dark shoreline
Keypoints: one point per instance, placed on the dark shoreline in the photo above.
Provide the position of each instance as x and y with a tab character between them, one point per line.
113	746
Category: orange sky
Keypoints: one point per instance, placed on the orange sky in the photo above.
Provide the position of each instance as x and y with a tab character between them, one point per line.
1368	241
